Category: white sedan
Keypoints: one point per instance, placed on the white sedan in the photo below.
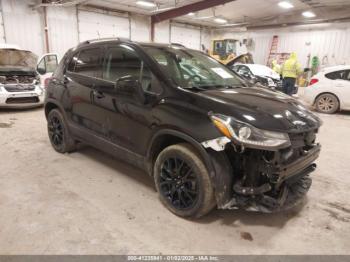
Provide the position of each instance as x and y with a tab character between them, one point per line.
22	80
329	90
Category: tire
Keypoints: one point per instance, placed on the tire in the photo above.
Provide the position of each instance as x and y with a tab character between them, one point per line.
183	182
58	132
327	104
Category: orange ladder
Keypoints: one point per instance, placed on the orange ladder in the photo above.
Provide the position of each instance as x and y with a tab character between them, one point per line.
273	50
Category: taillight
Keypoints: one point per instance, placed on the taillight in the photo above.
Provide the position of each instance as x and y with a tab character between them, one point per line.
47	81
313	81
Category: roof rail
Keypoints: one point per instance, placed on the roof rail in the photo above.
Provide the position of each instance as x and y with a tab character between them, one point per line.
98	40
177	44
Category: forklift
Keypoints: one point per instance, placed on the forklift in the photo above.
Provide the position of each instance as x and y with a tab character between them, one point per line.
230	51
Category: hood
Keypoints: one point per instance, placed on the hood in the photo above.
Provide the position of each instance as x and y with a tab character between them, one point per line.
261	70
14	58
263	108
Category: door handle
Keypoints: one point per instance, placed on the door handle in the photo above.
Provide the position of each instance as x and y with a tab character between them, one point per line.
98	94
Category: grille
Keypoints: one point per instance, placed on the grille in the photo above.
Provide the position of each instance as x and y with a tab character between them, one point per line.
300	142
279	84
22	100
19	88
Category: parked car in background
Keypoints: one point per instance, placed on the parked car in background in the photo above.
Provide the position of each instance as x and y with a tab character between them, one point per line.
329	90
259	74
205	137
22	80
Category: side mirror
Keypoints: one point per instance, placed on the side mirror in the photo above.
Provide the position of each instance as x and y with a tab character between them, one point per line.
129	86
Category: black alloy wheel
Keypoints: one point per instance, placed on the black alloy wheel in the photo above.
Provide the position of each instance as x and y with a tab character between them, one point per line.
59	135
179	183
182	181
55	129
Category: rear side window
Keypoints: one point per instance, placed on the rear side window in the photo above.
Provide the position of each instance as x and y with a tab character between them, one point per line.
122	61
336	75
88	62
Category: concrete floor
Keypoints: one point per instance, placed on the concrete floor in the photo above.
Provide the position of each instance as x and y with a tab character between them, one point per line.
89	203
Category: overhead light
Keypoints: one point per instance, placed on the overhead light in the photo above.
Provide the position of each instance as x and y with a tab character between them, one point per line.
285	4
309	14
220	20
146	3
191	14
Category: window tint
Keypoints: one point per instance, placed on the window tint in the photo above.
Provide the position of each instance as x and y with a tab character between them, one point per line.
123	61
71	65
88	62
41	66
336	75
347	75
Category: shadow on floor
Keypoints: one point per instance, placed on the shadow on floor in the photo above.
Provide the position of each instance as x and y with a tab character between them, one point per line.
121	167
225	217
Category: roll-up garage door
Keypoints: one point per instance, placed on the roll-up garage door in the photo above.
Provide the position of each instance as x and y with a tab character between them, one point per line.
94	25
189	37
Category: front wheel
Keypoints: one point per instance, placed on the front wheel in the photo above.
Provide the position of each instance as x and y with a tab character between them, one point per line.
183	182
327	103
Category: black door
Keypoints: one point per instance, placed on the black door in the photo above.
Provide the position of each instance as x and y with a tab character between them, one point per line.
126	119
83	70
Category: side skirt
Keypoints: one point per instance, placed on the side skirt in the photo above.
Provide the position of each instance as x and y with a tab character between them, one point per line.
100	143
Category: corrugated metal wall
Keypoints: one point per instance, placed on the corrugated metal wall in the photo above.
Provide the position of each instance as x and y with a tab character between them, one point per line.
331	45
68	26
23	26
93	25
62	24
2	32
187	36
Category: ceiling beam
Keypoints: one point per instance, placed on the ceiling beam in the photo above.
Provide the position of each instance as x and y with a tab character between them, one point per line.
184	10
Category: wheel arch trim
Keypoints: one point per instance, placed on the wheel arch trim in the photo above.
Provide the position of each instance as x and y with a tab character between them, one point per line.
53	102
201	150
219	167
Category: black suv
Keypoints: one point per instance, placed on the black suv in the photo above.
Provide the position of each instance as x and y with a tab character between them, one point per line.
205	137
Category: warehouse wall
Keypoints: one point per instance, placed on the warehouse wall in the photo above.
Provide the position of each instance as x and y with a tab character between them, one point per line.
68	26
331	43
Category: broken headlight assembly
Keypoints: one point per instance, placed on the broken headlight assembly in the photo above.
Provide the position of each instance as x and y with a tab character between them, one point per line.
247	135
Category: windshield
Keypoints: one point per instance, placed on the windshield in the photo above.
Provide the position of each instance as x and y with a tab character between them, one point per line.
17	58
193	69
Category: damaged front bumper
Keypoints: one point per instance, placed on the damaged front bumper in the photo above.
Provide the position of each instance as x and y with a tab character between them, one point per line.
285	187
267	185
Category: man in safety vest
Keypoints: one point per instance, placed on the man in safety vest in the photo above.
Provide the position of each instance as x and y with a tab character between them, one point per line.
290	71
276	67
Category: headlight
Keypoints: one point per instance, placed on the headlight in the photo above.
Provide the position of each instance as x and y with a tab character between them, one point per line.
248	135
270	82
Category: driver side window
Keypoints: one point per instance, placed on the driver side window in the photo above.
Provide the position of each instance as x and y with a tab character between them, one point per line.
123	61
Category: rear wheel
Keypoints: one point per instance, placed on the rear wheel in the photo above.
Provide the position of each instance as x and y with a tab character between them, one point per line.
58	132
327	103
183	182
